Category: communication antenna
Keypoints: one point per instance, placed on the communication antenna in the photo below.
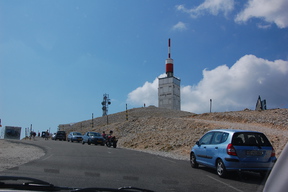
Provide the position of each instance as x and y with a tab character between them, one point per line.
106	101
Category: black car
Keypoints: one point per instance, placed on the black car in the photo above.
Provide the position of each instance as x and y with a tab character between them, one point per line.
60	135
94	138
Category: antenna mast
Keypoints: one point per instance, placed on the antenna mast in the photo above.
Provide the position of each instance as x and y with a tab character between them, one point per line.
106	101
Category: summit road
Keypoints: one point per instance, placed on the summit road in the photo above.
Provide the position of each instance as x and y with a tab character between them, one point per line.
76	165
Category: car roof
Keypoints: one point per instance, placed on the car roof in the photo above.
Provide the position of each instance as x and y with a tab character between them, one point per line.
233	130
92	132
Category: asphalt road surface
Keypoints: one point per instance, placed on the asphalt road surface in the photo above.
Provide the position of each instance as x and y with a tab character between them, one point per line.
76	165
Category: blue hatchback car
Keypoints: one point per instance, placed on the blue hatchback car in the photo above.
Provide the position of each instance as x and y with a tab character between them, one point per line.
233	150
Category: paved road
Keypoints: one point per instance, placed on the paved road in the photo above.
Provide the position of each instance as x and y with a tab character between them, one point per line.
77	165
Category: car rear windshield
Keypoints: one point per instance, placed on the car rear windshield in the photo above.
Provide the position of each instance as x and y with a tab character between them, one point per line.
61	133
250	139
95	134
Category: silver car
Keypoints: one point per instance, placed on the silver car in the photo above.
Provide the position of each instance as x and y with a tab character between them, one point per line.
94	138
74	136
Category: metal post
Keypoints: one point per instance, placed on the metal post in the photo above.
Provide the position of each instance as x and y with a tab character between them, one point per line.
126	113
210	105
92	124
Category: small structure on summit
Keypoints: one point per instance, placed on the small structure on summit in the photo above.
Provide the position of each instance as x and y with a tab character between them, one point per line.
260	104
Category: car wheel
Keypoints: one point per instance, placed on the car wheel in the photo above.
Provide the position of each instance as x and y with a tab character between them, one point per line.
221	169
89	142
264	174
83	142
193	162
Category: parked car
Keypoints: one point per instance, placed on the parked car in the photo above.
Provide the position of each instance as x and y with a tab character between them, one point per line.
233	150
93	137
43	134
60	135
53	136
74	136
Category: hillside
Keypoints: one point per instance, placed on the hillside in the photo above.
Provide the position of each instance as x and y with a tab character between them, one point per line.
173	133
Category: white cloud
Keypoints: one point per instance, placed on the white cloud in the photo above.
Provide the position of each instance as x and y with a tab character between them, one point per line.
213	7
147	94
230	89
275	11
180	26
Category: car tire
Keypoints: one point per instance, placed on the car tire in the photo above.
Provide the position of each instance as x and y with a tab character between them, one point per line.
193	161
264	174
83	142
221	169
89	142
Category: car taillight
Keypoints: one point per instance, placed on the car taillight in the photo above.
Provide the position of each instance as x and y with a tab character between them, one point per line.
231	150
273	153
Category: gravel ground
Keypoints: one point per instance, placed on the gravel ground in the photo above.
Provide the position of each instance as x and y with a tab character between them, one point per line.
173	133
14	153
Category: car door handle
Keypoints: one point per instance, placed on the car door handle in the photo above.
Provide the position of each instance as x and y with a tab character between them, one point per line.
204	147
216	147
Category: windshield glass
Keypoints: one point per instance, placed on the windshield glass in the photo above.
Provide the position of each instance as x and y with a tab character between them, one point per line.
117	93
94	134
250	139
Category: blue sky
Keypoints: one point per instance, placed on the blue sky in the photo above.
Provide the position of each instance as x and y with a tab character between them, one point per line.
58	58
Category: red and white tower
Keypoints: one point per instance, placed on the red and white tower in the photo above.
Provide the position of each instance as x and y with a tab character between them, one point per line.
169	86
169	61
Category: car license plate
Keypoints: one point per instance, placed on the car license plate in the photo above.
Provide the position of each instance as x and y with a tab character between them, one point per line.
99	141
254	153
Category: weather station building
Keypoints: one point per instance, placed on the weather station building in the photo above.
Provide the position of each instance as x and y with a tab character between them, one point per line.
169	86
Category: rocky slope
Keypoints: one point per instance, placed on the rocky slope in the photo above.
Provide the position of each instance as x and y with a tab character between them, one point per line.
173	133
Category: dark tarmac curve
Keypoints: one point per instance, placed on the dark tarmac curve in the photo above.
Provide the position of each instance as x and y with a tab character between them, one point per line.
76	165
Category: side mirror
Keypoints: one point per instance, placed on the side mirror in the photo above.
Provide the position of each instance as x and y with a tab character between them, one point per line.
197	143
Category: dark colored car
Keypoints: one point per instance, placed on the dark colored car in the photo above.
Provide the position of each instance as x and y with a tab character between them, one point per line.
234	150
60	135
94	138
43	134
74	136
53	136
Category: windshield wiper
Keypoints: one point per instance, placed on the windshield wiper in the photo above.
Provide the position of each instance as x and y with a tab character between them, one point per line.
29	184
121	189
39	185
